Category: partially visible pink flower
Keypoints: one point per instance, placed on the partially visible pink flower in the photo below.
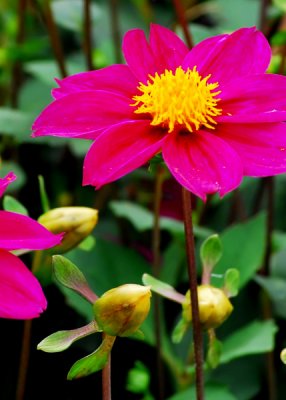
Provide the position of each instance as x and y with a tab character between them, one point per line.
21	295
213	112
4	182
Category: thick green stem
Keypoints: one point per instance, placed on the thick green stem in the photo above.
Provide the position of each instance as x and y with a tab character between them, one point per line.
191	261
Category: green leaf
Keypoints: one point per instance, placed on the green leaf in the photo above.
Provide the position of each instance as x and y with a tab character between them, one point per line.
213	391
254	338
231	282
174	261
163	288
47	70
15	122
275	286
211	251
69	14
233	14
93	362
276	289
242	376
11	204
62	340
281	4
71	277
143	219
243	248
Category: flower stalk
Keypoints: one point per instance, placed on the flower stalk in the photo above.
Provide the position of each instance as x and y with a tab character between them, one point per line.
197	330
156	238
106	379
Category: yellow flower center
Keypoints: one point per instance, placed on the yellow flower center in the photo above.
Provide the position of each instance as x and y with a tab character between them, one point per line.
182	99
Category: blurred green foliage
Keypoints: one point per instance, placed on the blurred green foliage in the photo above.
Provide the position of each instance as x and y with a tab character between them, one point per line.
31	57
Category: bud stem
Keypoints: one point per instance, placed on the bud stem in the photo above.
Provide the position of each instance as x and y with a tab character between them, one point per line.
197	331
106	379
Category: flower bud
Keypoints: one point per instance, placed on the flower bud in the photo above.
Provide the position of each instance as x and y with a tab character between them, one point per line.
214	306
121	311
76	222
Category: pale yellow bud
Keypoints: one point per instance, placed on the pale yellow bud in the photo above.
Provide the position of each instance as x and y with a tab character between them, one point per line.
121	311
76	222
214	306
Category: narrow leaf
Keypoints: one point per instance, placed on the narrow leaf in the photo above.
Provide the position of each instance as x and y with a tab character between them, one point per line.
43	194
61	340
93	362
162	288
70	276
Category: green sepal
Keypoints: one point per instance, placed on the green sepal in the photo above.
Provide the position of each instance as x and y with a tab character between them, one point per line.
214	353
138	335
71	277
93	362
211	251
180	330
61	340
87	244
162	288
231	282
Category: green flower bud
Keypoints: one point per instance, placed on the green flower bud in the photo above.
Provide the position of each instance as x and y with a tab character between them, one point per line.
76	222
214	306
121	311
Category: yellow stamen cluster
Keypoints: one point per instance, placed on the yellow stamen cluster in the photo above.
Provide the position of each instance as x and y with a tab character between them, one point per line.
182	99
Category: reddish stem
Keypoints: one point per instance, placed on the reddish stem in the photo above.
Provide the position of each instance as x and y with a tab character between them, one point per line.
197	330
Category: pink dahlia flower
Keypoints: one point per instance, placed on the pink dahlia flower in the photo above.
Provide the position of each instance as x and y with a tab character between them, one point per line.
213	112
21	296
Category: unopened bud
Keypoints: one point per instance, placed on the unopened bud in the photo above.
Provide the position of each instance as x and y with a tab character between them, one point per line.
214	306
121	311
76	222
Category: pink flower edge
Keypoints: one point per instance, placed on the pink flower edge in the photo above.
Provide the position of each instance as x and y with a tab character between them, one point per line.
21	295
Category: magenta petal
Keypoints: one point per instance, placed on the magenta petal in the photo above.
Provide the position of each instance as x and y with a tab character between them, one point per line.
18	231
168	49
261	147
255	98
116	78
138	54
120	150
83	114
21	296
244	52
202	163
4	182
